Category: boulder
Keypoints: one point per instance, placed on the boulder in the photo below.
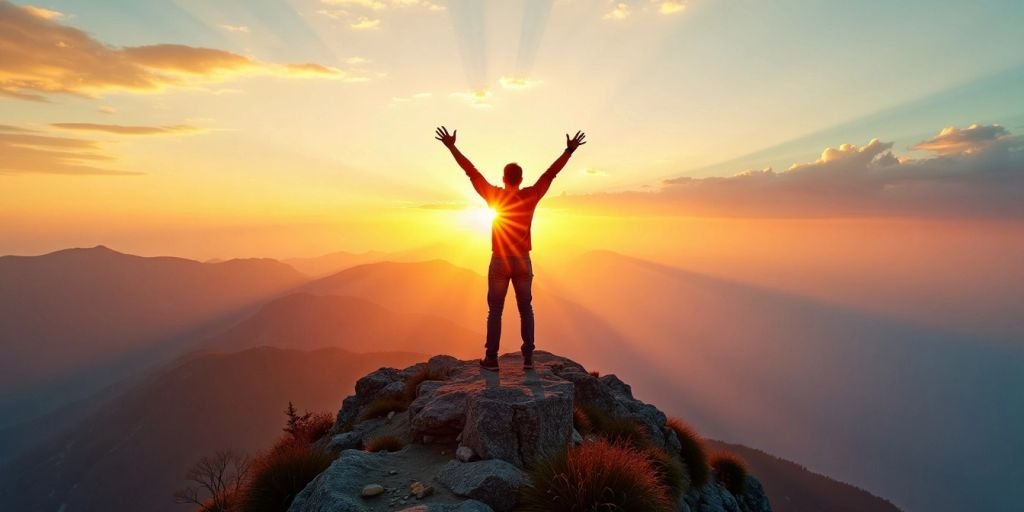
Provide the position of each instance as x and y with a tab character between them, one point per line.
339	488
494	482
716	498
516	416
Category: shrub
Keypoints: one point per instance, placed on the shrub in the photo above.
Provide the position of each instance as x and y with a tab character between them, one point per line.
624	431
693	453
307	427
384	443
670	473
282	473
595	373
581	421
731	472
381	407
597	476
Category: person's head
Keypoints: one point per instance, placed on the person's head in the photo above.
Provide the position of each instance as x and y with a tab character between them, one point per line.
513	175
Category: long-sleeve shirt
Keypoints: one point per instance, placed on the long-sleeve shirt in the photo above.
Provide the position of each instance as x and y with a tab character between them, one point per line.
510	231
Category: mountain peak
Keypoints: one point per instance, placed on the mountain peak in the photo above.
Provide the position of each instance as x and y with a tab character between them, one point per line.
481	437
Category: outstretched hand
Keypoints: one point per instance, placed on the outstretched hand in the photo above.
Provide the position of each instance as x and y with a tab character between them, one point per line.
573	143
448	139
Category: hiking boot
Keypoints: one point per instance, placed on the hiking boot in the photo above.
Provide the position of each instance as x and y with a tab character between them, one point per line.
527	361
489	363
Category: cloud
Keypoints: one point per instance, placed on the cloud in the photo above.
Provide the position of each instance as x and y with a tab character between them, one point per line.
40	57
479	99
670	6
235	28
593	171
24	151
517	83
46	14
364	23
983	178
357	10
974	138
620	11
118	129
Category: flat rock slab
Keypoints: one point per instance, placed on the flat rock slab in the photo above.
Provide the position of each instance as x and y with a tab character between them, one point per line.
339	487
516	415
494	482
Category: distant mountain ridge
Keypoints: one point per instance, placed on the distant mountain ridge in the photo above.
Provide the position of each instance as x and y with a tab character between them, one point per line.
70	317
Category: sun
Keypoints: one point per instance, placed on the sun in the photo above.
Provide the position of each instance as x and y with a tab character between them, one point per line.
478	218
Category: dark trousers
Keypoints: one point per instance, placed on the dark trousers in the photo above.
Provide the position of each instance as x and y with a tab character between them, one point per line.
519	271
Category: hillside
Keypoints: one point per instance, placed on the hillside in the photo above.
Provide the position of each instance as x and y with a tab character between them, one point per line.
304	321
794	488
75	320
133	452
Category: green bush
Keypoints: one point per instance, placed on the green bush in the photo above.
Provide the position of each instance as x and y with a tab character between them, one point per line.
731	472
381	407
282	473
384	443
597	476
693	452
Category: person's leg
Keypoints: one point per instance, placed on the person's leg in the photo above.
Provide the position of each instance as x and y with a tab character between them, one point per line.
522	281
497	288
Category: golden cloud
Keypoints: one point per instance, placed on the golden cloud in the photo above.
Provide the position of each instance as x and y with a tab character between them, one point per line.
39	56
670	6
620	11
365	23
118	129
29	151
952	140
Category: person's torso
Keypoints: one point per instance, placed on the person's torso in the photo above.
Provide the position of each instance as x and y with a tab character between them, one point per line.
510	231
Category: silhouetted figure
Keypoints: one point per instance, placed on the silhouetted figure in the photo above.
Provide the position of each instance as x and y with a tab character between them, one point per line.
510	241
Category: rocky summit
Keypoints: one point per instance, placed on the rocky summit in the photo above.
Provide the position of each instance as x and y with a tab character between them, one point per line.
448	435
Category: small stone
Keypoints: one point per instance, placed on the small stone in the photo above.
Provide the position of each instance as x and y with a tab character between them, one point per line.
464	453
372	490
391	415
420	490
576	437
393	472
444	452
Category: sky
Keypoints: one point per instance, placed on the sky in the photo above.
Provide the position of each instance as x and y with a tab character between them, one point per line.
245	128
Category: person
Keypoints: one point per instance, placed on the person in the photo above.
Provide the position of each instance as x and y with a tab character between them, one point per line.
510	241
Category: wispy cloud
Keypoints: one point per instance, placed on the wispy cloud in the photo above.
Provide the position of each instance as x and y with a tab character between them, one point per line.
670	6
26	151
364	23
619	12
60	59
478	99
235	28
517	83
118	129
46	14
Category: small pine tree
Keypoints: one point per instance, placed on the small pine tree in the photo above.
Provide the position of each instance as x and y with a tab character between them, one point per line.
296	422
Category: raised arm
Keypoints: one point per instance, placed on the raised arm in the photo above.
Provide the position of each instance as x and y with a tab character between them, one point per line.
480	184
544	183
